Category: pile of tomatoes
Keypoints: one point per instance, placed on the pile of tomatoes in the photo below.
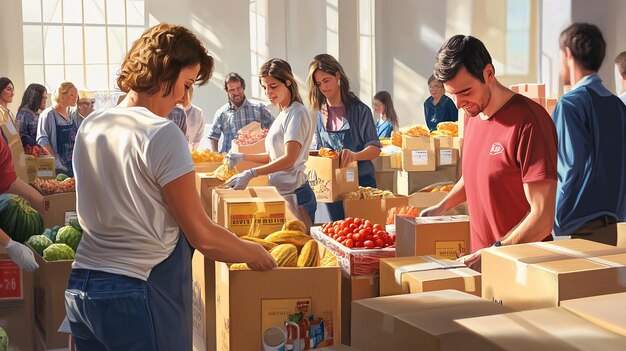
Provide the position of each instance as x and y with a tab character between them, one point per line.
35	151
358	233
53	186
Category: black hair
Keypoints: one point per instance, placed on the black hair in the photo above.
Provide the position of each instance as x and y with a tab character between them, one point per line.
461	51
585	42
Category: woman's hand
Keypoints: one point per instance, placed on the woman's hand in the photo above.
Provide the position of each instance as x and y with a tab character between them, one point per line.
261	260
346	156
233	159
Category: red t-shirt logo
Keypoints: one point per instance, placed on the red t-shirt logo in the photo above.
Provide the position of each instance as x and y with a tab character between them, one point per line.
496	148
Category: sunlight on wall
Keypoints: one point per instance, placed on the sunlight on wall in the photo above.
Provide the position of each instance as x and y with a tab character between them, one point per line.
407	84
332	27
259	50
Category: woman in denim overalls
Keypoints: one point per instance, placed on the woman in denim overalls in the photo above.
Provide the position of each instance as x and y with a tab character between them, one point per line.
56	130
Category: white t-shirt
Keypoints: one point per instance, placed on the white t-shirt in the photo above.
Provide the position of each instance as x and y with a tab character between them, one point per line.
293	124
122	159
195	125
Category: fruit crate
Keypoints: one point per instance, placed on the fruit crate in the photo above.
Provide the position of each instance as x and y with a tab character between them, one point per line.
355	261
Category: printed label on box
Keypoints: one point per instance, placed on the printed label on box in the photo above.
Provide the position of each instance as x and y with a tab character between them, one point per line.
10	281
419	157
274	312
450	249
445	157
350	176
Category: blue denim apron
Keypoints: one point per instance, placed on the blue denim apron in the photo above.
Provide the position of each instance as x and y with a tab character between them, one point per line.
113	312
66	135
342	139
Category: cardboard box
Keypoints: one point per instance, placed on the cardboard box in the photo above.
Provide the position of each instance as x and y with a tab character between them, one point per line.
353	262
604	310
247	301
388	162
205	185
373	209
40	167
352	289
386	181
40	345
393	271
418	153
462	279
422	200
204	313
447	236
255	211
446	154
408	183
546	329
203	167
55	207
621	234
550	105
457	143
422	321
337	348
50	283
541	275
16	303
255	148
531	90
329	181
14	141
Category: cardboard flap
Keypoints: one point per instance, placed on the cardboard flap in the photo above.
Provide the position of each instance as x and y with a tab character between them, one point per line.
601	310
444	141
253	126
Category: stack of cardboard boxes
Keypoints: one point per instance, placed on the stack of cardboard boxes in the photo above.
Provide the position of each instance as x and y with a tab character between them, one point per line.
536	92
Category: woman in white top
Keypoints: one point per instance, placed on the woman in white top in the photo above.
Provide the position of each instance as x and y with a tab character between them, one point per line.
130	286
287	142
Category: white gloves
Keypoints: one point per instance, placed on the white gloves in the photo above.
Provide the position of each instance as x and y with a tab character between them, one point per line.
233	159
240	181
21	255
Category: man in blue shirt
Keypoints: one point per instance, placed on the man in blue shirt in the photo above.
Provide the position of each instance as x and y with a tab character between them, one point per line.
591	127
237	113
620	64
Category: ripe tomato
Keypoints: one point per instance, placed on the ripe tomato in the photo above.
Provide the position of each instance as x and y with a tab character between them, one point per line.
358	244
353	227
377	227
368	244
344	225
380	243
368	231
368	223
357	221
341	238
349	220
357	237
348	243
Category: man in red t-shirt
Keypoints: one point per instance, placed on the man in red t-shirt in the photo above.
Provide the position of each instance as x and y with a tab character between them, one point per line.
9	182
509	153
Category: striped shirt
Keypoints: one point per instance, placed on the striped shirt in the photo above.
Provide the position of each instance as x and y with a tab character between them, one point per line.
228	120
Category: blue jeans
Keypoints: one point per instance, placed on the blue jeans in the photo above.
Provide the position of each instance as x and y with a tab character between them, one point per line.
115	312
306	198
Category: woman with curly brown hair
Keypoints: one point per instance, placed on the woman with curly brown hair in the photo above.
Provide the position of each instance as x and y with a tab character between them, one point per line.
130	287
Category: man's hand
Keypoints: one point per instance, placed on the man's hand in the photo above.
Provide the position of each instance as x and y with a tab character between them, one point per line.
431	211
233	159
472	261
21	255
346	156
262	260
240	181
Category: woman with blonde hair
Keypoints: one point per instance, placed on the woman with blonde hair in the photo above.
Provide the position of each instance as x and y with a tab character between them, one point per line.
56	130
286	143
344	123
130	285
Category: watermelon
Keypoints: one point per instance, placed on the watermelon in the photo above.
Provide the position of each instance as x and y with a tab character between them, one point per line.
4	340
39	243
57	252
74	223
70	236
18	219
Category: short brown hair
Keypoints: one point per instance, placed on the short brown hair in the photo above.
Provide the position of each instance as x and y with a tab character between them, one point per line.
329	64
620	61
157	57
234	77
586	44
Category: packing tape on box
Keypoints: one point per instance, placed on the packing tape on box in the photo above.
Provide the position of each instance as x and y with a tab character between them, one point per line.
468	279
521	270
429	264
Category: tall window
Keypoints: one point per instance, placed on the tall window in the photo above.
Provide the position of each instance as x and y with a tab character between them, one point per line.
258	42
367	64
81	41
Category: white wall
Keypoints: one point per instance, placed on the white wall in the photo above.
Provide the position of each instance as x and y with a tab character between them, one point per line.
408	35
